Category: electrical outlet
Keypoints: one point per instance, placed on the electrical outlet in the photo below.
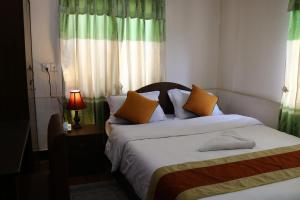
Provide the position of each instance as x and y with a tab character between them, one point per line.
45	67
49	67
53	68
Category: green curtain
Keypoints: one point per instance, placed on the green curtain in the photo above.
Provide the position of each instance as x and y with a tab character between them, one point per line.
111	28
142	9
109	47
294	5
138	20
289	119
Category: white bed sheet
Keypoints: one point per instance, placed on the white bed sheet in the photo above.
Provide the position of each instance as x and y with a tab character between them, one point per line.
138	150
108	125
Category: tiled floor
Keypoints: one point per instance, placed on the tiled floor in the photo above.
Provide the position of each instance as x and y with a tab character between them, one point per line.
89	179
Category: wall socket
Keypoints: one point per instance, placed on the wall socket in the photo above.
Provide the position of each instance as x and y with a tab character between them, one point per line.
50	66
53	68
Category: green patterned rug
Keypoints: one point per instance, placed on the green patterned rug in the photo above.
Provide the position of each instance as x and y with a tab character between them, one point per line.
109	190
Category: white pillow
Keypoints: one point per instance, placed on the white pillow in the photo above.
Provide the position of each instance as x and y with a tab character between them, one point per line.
179	98
115	103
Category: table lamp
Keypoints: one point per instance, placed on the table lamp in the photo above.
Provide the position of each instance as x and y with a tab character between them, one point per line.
76	103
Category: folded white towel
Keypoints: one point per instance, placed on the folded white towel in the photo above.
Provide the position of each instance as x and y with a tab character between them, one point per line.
227	141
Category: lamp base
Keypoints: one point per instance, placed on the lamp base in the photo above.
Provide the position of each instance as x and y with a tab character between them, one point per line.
76	125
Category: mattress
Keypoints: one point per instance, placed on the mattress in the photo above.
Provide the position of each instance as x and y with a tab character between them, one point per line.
108	125
138	150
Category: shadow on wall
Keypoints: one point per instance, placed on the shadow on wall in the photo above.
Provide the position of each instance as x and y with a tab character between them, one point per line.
264	110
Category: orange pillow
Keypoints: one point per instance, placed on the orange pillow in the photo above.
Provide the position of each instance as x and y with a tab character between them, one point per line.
136	108
200	102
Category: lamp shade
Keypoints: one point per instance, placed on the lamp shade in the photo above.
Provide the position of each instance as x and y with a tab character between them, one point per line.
75	102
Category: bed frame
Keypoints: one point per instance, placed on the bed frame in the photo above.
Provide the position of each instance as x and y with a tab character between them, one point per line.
164	99
166	105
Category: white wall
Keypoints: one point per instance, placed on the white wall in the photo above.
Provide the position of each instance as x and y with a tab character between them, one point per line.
192	42
45	49
253	47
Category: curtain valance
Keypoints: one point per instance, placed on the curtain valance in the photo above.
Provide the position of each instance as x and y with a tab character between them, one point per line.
144	9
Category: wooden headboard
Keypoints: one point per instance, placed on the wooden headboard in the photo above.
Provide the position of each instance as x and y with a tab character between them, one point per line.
164	99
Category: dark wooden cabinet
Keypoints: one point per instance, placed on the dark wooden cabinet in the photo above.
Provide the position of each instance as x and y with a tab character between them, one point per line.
17	100
16	75
85	150
15	158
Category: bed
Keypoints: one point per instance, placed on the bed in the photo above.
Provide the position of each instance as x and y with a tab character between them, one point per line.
140	151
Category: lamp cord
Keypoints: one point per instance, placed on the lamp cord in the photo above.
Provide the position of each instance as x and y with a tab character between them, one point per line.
58	100
61	107
49	81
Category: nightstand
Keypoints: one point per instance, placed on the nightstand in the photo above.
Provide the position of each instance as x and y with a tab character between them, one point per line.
85	151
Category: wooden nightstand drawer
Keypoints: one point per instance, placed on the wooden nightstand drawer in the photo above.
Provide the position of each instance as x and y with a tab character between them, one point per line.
90	143
86	151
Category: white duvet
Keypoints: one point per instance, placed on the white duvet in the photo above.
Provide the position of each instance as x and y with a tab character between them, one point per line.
138	150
